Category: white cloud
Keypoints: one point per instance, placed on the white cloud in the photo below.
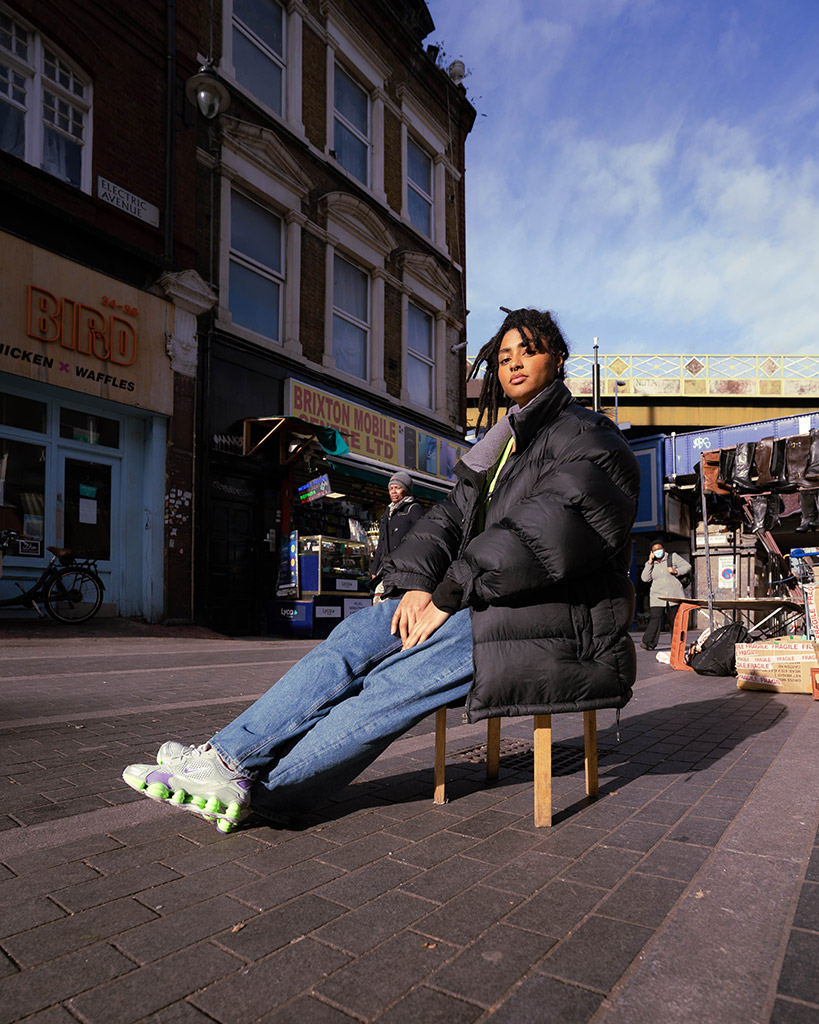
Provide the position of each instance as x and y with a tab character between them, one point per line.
700	223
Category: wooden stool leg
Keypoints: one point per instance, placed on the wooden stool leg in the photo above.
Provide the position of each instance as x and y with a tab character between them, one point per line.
440	756
590	737
543	770
492	747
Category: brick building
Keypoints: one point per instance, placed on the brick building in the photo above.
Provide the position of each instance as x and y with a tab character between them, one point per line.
98	292
330	198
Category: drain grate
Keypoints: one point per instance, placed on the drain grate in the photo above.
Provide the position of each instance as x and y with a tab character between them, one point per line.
519	755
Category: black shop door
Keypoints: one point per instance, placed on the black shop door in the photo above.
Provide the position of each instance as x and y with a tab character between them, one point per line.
234	591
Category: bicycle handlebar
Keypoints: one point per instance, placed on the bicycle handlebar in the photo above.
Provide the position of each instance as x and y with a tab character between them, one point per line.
7	537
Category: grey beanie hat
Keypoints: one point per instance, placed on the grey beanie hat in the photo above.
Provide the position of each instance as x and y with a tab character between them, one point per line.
402	478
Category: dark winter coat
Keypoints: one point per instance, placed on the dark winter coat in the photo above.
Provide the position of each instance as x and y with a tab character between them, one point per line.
393	528
546	577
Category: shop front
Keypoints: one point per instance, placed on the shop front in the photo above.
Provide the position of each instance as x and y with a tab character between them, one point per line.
292	492
338	493
86	392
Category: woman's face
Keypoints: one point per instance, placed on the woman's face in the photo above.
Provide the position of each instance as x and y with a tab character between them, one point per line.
522	370
396	491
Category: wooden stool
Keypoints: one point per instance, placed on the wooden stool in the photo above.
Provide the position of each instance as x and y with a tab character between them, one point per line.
543	759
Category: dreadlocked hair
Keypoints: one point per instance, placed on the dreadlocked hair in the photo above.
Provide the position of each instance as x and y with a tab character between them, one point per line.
538	325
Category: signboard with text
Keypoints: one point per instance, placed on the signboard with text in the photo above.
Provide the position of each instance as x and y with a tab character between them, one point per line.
67	325
374	435
315	489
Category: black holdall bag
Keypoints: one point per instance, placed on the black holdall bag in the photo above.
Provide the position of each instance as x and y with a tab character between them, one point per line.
717	656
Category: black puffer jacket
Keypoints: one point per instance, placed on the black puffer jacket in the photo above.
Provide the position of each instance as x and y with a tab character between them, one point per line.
393	528
546	578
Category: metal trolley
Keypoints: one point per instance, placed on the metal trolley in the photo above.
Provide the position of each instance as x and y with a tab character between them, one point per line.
804	564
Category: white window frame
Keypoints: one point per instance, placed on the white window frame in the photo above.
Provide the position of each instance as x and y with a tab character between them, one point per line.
290	61
359	235
365	139
427	135
241	259
37	83
415	187
430	362
427	287
365	326
255	163
346	48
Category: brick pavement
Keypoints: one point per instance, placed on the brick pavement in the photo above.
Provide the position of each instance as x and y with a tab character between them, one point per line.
688	892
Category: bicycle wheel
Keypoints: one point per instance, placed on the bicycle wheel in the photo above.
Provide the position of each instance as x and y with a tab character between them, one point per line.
74	595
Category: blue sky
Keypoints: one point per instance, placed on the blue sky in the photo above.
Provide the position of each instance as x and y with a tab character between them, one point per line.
648	169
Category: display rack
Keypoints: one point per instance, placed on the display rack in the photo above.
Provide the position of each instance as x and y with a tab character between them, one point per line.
330	565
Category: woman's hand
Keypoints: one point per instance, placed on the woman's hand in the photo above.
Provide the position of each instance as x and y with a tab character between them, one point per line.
430	619
409	608
416	618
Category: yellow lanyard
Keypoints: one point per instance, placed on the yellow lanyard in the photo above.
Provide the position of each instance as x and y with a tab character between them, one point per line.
507	451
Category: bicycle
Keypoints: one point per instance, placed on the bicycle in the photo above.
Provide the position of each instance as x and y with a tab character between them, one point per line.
70	590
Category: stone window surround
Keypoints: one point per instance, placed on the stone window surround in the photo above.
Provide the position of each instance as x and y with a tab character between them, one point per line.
254	162
427	136
426	286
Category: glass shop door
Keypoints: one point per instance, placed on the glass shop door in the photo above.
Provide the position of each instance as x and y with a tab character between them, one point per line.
87	507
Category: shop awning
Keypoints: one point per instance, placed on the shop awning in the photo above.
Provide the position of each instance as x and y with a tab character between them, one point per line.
300	434
374	473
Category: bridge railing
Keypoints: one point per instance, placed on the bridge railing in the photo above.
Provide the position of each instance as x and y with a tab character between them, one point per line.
696	376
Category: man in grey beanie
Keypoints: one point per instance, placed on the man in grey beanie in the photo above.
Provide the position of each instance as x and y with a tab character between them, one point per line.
402	512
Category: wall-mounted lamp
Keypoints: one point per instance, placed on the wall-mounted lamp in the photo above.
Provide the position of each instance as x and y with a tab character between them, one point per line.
207	92
457	71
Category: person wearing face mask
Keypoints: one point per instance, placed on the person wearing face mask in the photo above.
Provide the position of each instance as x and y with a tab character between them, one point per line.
662	571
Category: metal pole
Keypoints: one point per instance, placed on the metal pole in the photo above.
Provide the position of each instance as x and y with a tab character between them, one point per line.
707	548
595	381
616	391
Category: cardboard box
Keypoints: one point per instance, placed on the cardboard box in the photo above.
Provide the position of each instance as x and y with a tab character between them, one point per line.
809	590
780	665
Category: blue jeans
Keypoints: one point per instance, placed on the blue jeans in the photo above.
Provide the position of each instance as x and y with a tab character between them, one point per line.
341	706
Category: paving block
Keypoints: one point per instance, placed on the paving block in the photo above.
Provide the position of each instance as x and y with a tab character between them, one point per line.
567	1004
150	988
375	980
492	965
424	1004
28	991
256	991
162	936
57	938
359	930
267	932
596	954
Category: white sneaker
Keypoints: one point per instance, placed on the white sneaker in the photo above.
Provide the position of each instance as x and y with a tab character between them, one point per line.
195	779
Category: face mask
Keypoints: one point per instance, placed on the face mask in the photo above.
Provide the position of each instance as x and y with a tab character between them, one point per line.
659	553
